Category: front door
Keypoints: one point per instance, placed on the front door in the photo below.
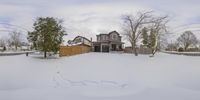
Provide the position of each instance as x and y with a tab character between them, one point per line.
97	49
113	47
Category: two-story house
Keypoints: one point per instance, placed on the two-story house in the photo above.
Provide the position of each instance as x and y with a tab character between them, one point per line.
108	42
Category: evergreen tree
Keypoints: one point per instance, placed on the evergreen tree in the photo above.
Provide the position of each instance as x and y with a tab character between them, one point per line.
4	48
144	36
47	34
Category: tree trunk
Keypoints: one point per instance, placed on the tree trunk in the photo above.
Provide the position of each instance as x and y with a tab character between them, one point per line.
132	47
16	47
185	48
154	51
155	47
45	54
135	49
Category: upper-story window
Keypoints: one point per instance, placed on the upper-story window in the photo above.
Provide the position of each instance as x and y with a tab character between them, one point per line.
78	40
98	38
111	36
107	38
114	37
103	37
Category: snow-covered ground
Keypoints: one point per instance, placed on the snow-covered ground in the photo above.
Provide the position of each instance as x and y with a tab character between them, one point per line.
100	76
10	53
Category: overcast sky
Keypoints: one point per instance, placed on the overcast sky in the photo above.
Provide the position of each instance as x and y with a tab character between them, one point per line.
91	17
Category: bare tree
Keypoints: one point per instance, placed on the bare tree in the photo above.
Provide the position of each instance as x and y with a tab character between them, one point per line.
2	42
133	26
187	39
158	26
15	39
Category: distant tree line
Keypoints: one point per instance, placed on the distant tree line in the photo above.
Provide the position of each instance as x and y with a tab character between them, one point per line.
14	39
47	35
187	41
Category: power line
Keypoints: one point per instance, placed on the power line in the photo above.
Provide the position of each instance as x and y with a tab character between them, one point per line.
15	26
187	27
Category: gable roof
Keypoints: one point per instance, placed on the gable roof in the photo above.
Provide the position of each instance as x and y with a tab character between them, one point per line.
109	33
114	32
81	37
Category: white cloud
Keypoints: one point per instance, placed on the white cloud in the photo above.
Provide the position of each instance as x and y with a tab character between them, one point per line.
96	18
88	17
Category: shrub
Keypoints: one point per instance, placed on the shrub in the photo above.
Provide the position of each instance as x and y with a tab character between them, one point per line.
4	48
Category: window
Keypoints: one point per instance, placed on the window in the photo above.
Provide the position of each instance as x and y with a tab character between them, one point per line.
114	37
103	37
98	38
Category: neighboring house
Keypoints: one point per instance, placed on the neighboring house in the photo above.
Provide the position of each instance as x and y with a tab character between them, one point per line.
79	40
78	45
192	48
25	46
108	42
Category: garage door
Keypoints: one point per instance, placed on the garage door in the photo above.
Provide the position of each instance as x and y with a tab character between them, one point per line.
105	48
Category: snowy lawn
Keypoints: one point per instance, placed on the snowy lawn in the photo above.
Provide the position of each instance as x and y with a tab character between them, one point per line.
10	53
100	76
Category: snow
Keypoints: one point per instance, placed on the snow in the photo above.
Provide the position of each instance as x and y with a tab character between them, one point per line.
183	53
100	76
10	53
1	48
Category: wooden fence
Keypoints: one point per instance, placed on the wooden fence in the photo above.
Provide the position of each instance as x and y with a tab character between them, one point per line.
139	50
73	50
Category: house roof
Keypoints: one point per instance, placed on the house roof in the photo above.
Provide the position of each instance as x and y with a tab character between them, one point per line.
108	42
102	34
81	37
109	33
114	32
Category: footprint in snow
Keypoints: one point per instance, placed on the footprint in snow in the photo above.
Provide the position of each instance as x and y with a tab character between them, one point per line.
109	83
